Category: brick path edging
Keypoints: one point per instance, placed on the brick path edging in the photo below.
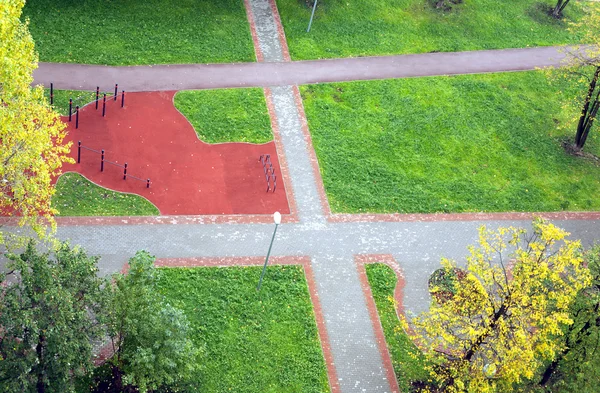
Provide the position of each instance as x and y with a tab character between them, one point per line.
314	161
431	217
361	260
304	261
252	23
283	164
280	31
167	220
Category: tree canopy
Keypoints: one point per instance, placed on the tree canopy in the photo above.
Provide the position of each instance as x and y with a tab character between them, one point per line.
31	133
577	366
501	322
150	337
47	319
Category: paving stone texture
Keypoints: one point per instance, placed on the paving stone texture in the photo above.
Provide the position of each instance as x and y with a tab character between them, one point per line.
416	246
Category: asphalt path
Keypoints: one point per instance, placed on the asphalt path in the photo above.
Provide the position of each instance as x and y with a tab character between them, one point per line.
266	74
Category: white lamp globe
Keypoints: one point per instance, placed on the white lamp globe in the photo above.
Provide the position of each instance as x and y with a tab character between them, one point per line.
277	218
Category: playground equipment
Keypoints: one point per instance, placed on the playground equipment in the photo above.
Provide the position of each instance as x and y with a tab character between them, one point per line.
104	160
269	171
113	96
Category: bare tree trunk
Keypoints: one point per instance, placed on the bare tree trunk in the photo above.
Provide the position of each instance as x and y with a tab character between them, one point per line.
117	380
588	112
475	347
558	9
39	349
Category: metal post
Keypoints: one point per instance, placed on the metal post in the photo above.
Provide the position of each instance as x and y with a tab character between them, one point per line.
51	93
79	152
125	172
148	183
102	162
122	98
104	106
311	16
70	107
97	94
116	92
77	117
267	259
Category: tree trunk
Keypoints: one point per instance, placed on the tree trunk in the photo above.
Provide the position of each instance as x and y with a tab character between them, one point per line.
39	349
499	314
552	366
117	380
550	370
588	112
558	9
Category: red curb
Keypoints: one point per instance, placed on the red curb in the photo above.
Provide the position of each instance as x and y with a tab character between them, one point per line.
171	220
389	260
162	220
283	165
280	31
334	383
314	162
257	51
229	261
304	261
431	217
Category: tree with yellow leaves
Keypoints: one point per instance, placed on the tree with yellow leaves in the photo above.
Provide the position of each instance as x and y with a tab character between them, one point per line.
505	310
31	133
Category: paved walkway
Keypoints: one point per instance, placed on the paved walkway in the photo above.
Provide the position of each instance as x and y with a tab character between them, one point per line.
416	246
274	72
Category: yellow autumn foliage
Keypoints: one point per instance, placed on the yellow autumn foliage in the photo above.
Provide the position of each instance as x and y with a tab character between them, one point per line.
31	133
502	321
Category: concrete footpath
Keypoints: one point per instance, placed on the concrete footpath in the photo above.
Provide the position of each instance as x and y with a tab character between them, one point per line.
361	365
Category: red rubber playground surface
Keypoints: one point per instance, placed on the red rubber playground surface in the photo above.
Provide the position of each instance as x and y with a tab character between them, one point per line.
188	176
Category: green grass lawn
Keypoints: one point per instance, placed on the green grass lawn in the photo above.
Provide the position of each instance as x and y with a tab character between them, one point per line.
407	364
344	28
228	115
140	31
253	342
77	196
449	144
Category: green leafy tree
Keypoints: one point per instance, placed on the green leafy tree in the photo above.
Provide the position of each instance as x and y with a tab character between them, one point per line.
577	366
31	133
148	335
47	319
501	322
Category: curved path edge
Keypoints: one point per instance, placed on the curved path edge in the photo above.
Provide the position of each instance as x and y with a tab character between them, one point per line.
266	74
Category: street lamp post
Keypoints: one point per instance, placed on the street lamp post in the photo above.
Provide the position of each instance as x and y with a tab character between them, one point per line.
277	220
